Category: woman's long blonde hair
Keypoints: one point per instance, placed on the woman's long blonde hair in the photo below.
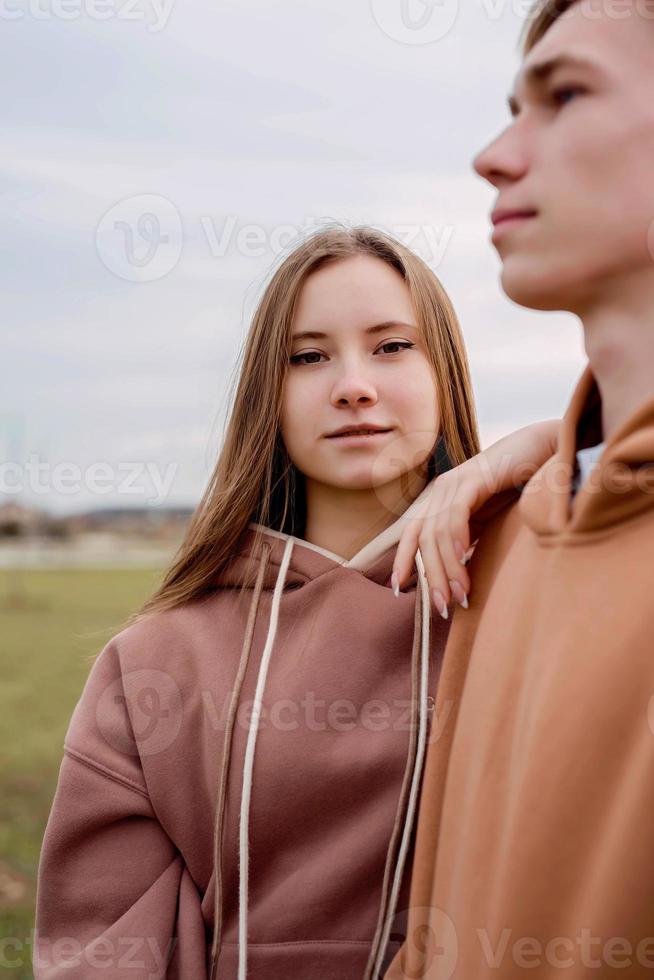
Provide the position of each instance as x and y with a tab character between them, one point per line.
254	479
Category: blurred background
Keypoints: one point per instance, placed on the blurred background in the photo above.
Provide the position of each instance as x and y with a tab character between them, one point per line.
158	158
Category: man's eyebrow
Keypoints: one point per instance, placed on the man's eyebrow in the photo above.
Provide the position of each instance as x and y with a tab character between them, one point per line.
536	75
377	328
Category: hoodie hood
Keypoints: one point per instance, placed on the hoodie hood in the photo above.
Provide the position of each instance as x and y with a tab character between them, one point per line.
272	560
374	560
613	493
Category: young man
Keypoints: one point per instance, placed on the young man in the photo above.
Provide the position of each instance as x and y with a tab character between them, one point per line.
535	842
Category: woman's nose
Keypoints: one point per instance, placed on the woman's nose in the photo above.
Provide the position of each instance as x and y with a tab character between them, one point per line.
352	388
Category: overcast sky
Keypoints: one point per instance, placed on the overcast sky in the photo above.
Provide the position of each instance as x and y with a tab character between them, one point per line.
158	155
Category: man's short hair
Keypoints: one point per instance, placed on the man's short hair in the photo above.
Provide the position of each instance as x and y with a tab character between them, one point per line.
547	12
541	18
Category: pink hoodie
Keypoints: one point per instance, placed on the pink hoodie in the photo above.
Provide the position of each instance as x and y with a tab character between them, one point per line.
308	816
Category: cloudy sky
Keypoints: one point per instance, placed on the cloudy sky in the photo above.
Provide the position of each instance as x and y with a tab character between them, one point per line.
159	154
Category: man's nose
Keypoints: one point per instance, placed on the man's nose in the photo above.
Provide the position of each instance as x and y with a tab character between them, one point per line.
504	160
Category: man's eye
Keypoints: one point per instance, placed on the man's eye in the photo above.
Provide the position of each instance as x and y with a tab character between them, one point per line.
566	93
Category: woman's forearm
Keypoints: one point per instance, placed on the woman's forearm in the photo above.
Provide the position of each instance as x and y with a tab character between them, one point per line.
512	460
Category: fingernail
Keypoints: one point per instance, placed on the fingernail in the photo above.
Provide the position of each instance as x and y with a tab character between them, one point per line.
439	602
459	594
395	585
459	552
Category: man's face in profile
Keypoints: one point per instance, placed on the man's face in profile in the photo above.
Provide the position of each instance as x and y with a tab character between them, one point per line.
577	162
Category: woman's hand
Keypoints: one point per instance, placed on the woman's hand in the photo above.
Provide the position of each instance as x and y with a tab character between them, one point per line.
442	532
441	527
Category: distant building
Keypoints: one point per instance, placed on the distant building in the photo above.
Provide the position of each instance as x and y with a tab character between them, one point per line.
17	520
164	524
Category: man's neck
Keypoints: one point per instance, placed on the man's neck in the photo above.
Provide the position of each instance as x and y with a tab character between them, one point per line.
619	342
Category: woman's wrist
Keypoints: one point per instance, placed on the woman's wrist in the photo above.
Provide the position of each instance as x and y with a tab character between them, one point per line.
473	482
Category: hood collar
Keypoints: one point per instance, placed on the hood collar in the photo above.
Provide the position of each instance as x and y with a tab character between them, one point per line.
620	487
309	561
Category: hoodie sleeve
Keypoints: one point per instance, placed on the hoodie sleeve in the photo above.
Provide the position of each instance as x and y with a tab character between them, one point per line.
114	896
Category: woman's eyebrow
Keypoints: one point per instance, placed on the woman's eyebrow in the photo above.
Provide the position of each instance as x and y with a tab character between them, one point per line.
377	328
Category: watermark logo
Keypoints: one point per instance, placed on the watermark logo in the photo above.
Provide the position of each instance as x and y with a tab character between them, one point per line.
430	942
140	713
415	21
140	238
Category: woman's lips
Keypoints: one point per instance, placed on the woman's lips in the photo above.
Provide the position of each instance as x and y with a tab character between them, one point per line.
360	438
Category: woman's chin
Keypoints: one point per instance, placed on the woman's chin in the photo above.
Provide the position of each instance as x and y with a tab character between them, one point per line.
358	480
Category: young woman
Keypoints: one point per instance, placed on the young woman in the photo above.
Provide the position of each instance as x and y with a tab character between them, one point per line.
241	772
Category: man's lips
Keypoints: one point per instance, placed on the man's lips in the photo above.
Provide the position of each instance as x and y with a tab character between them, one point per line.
503	215
504	220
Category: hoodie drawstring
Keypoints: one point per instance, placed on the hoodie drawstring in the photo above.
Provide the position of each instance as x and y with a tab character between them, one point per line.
413	771
248	767
411	782
224	766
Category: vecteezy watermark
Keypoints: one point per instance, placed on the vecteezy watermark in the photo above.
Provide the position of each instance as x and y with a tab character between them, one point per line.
583	950
153	13
426	21
126	953
140	239
315	714
415	21
588	9
608	477
459	486
41	477
142	712
615	9
254	241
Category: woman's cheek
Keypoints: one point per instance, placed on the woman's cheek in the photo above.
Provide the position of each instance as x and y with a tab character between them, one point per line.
297	420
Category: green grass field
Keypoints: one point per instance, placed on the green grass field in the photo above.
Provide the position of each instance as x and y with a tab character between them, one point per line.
49	626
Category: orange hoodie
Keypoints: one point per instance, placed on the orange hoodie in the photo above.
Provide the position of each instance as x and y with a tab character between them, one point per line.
535	840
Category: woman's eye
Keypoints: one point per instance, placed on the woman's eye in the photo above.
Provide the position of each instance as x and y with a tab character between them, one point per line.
302	358
297	358
397	343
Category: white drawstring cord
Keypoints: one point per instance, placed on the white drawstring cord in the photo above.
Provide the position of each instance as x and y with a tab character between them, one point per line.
248	766
417	769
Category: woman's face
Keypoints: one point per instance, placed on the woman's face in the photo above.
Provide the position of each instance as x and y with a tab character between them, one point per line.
358	359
